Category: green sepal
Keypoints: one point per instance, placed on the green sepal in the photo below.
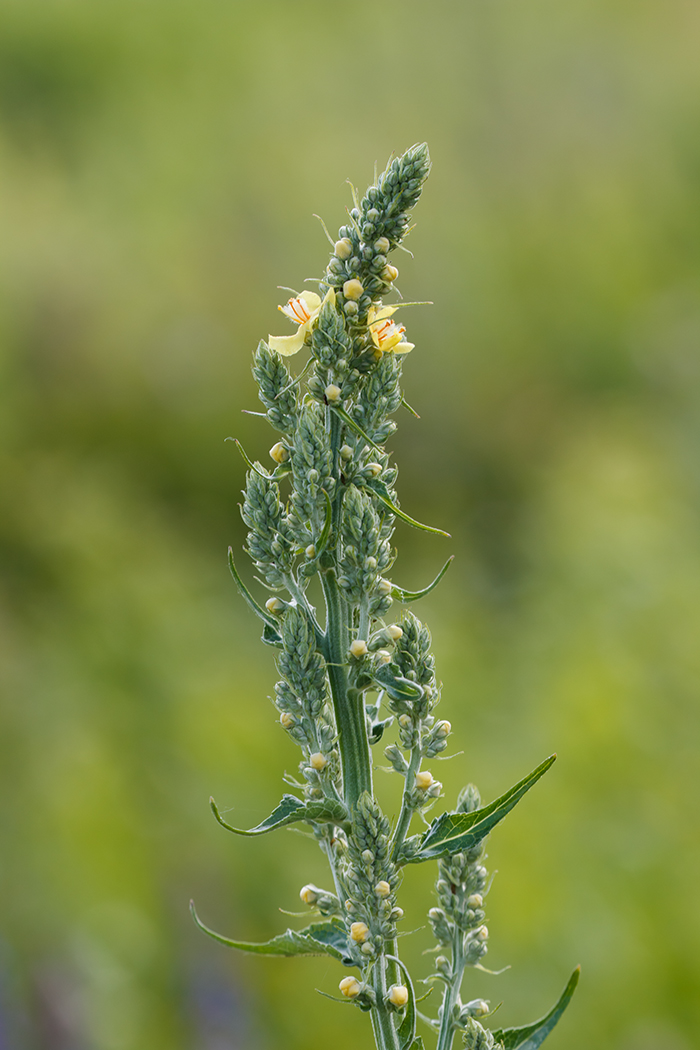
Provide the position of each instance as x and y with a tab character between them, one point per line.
355	426
271	636
417	1044
382	493
407	1028
289	811
455	832
532	1036
321	938
247	596
401	595
395	686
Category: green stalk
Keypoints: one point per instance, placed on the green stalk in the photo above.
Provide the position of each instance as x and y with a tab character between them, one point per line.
447	1028
385	1034
348	704
406	811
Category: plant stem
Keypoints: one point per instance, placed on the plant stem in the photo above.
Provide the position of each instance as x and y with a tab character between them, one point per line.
447	1027
385	1034
406	811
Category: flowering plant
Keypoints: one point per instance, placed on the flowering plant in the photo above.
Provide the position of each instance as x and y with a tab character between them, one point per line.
352	676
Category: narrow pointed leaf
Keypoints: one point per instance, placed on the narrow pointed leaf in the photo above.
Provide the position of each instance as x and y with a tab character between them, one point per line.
455	832
401	595
407	1029
380	491
532	1036
289	811
255	467
398	688
321	938
326	531
247	596
271	637
355	426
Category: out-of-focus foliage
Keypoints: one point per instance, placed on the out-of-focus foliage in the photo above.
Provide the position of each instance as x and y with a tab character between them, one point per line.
161	162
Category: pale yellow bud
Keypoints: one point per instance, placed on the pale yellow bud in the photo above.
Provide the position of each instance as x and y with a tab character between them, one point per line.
359	932
475	901
483	933
367	856
275	605
398	995
358	648
343	248
318	761
350	987
279	452
424	780
308	894
405	721
394	632
444	729
287	720
371	562
389	273
382	245
332	393
310	551
384	656
353	289
384	586
367	948
373	469
346	453
382	889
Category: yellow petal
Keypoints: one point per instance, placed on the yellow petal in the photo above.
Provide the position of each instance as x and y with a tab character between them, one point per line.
402	348
313	301
286	345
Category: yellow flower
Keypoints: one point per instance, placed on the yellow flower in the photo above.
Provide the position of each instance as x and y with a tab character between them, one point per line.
303	310
386	335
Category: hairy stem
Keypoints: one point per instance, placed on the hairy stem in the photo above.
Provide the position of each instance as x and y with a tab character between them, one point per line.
385	1034
406	811
447	1027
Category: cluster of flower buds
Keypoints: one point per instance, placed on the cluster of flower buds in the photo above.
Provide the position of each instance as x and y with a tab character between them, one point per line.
476	1037
270	541
370	879
365	555
323	900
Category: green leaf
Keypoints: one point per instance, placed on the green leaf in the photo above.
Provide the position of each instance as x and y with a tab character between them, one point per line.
532	1036
400	595
326	531
321	938
248	597
271	637
407	1029
289	811
381	492
417	1044
355	426
396	687
255	467
455	832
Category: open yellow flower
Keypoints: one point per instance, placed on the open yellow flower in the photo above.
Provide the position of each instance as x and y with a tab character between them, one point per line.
386	335
303	310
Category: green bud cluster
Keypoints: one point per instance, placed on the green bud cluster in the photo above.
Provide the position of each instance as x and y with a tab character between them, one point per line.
313	482
477	1037
276	389
370	879
270	540
365	555
377	225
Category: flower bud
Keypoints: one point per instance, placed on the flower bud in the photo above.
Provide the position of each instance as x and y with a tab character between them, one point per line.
332	393
275	605
346	453
385	586
371	563
382	889
358	648
384	656
343	248
424	780
442	963
443	729
367	856
389	273
475	901
318	761
381	245
349	906
396	914
310	551
287	720
308	894
482	933
359	931
279	452
353	289
405	721
367	948
373	470
395	633
351	309
398	995
350	987
434	789
475	1008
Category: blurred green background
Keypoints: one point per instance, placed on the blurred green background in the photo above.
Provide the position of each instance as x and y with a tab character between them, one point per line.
161	161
